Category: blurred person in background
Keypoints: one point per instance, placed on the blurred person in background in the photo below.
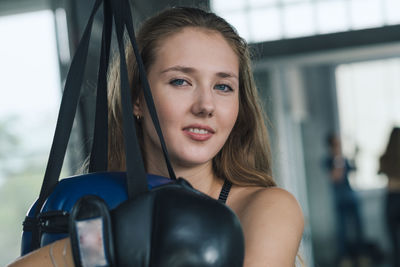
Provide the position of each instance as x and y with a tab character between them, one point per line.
390	166
349	225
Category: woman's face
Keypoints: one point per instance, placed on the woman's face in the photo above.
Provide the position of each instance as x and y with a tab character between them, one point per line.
194	81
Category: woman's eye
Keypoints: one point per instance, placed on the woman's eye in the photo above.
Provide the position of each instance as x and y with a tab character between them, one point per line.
223	87
178	82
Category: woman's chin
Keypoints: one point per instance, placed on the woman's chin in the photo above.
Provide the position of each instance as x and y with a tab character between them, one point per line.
192	161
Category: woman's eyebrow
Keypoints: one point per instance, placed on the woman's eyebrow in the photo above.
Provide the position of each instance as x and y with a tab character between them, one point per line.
185	69
226	75
179	68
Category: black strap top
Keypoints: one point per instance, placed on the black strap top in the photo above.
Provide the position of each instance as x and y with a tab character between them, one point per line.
225	191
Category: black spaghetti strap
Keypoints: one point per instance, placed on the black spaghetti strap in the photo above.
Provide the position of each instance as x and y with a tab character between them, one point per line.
226	188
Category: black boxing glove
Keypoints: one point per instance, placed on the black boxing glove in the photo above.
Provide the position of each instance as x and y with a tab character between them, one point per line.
174	225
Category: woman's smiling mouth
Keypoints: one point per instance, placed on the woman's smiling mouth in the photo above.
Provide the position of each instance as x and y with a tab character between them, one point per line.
198	133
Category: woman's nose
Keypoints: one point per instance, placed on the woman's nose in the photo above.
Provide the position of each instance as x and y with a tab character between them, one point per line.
203	104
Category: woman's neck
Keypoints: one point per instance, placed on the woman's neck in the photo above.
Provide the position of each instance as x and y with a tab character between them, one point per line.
201	177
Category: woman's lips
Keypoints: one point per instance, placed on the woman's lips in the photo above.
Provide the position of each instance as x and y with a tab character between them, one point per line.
198	132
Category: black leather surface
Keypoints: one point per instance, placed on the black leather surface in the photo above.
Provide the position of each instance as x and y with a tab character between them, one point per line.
175	225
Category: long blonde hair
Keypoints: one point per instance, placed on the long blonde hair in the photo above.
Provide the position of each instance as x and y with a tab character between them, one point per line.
245	157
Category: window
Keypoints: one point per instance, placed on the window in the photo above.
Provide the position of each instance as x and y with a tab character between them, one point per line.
29	99
368	101
263	20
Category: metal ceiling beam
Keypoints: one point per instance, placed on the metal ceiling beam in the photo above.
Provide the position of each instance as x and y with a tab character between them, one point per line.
328	42
10	7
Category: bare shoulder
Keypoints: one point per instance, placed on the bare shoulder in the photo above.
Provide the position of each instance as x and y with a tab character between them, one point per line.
260	200
272	223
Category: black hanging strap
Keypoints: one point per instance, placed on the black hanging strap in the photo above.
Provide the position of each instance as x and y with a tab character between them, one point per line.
99	153
65	120
136	174
146	89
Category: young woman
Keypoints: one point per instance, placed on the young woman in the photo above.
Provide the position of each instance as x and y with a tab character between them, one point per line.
203	88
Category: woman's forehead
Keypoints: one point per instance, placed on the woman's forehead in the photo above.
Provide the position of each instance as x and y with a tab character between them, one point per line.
196	48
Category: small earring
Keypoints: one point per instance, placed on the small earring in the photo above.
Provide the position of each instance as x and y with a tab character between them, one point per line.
137	117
